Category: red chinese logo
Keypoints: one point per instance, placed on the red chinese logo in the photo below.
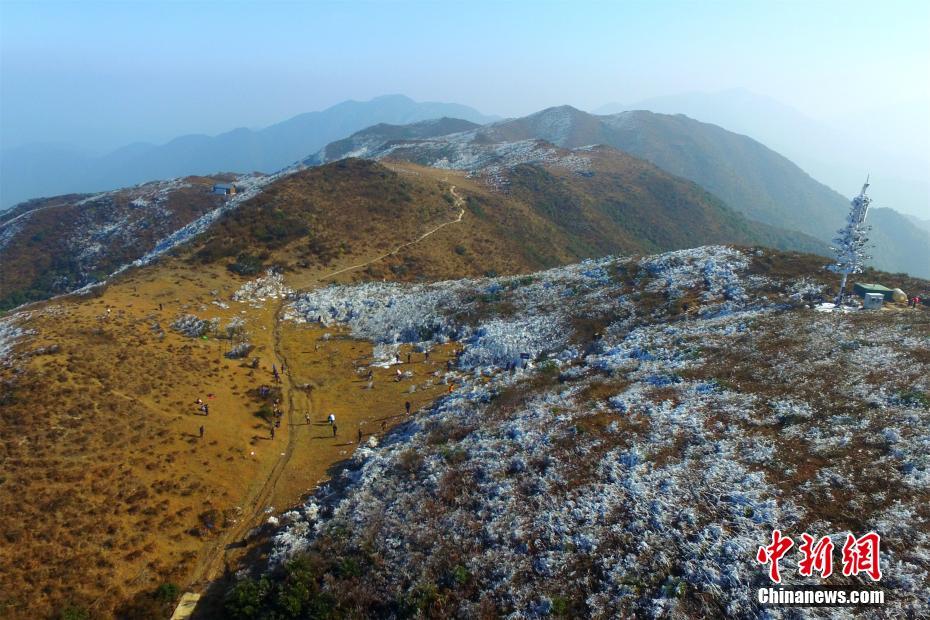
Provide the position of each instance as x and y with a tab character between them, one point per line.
860	555
817	557
774	552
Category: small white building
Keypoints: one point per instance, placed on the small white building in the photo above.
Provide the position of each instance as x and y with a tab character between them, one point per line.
224	189
873	301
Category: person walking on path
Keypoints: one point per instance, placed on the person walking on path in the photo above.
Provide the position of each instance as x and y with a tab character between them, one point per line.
331	418
201	431
307	417
408	358
272	431
359	435
407	407
334	429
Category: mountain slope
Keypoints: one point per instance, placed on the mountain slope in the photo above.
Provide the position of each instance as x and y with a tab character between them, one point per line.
559	206
56	245
618	440
889	143
749	177
99	392
550	215
383	134
34	171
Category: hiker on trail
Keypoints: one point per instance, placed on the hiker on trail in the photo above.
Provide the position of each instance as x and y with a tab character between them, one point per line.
383	425
408	358
427	356
307	417
159	307
407	406
334	429
201	431
331	419
272	432
370	374
360	436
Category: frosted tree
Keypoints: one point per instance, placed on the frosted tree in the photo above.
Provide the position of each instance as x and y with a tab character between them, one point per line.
851	241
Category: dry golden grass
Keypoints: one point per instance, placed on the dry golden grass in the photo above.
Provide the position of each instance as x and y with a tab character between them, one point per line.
108	490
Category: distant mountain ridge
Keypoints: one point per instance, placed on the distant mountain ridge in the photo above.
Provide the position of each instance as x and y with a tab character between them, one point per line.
747	175
837	158
36	170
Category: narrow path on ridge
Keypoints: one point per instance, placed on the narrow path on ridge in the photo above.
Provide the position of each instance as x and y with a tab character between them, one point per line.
458	202
215	560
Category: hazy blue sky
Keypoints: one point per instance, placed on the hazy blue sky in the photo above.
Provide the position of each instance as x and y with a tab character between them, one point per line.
101	74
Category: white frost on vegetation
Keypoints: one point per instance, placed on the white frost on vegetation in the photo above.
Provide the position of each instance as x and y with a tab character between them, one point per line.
664	507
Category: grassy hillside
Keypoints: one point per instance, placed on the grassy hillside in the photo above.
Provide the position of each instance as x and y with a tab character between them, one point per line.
55	245
746	175
548	216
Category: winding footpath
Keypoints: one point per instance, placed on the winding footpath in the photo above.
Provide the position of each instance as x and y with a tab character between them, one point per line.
216	560
458	201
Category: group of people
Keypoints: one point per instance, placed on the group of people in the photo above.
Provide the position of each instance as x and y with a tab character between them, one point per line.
277	414
204	408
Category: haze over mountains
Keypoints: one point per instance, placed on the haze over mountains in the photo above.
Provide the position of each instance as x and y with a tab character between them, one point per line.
881	142
46	170
749	177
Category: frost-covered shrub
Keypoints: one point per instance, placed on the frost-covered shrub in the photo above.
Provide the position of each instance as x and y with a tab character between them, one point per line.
239	351
193	327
